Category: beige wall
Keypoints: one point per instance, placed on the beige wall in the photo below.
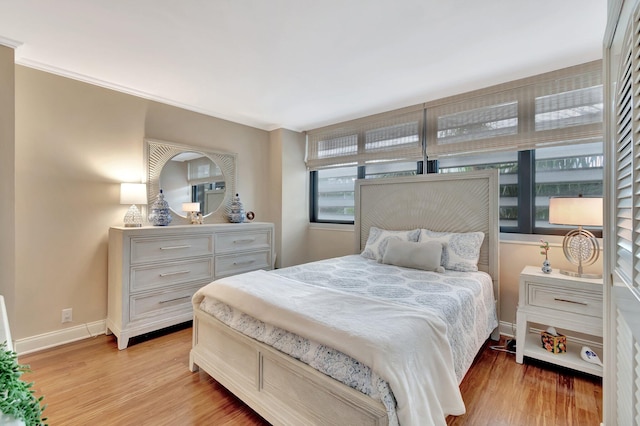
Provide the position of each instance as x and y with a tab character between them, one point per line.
289	203
516	252
7	180
275	182
74	144
326	241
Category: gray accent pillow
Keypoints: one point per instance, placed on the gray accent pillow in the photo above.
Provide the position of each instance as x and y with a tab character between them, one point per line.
379	238
426	256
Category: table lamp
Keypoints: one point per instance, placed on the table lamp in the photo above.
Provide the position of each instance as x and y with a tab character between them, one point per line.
193	209
579	245
133	193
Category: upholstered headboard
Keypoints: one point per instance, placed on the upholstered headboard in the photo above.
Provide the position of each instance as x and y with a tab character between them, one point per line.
451	202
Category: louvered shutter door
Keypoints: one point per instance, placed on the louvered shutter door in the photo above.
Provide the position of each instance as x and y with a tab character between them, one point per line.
624	165
625	259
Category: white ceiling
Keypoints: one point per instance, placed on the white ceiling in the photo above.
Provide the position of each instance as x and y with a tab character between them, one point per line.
300	64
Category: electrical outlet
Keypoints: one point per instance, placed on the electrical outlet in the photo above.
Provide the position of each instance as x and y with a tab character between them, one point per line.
67	315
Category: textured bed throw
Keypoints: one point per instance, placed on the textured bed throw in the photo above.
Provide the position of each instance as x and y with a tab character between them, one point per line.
405	346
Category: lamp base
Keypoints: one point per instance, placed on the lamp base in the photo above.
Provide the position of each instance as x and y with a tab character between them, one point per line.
133	218
195	218
580	248
579	275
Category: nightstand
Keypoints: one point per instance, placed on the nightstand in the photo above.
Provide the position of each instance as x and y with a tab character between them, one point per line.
566	303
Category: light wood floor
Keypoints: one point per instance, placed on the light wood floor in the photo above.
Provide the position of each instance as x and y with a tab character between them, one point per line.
90	382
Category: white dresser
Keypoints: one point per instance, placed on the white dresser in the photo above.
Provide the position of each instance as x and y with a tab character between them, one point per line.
155	270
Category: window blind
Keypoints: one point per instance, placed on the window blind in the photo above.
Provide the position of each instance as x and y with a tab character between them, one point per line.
556	108
561	107
392	136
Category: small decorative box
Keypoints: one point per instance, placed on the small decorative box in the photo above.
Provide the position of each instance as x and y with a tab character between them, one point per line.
555	344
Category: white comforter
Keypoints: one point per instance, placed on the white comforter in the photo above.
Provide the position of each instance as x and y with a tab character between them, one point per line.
379	334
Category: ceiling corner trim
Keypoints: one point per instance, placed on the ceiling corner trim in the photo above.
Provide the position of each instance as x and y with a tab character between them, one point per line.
14	44
274	127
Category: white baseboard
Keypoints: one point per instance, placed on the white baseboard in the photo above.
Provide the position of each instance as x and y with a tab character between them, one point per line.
507	329
84	331
59	337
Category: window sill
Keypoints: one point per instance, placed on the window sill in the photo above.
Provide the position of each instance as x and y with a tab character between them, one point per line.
534	239
331	227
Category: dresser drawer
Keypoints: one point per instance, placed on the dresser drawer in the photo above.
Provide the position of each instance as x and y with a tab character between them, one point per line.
170	247
170	302
231	242
145	277
237	263
565	299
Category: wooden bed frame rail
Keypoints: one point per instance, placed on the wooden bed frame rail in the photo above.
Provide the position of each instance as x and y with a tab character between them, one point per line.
281	389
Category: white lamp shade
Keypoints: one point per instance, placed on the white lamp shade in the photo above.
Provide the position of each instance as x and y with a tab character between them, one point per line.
133	193
190	207
578	211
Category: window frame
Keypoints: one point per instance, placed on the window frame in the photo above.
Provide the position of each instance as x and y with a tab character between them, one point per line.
526	197
314	203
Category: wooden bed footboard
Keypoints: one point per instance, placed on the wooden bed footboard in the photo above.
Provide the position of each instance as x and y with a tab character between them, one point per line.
280	388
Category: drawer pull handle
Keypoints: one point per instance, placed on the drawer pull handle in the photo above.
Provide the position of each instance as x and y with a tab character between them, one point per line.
246	240
174	247
570	301
243	262
173	300
168	274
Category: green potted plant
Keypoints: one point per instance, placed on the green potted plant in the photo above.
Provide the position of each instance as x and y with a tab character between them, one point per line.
18	401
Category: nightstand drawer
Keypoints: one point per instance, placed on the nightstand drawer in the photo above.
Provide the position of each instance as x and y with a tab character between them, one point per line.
563	299
171	274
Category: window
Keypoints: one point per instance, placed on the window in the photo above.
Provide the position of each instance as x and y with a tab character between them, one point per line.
543	134
333	200
557	171
373	147
334	195
566	171
507	165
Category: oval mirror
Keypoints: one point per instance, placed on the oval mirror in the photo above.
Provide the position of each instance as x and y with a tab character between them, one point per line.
192	177
189	174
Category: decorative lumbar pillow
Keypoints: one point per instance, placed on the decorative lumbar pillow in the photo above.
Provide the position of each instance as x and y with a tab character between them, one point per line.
460	251
426	256
379	238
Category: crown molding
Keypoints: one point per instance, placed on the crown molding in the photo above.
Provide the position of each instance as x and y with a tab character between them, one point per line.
141	94
14	44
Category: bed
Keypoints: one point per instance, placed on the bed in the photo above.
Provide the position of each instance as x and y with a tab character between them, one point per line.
283	379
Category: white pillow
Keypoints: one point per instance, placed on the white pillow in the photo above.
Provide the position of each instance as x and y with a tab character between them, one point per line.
426	256
460	252
379	238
